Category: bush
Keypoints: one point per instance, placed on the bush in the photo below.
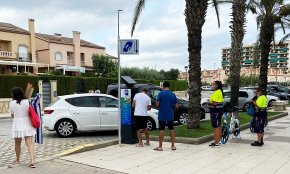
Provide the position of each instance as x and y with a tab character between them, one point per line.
70	84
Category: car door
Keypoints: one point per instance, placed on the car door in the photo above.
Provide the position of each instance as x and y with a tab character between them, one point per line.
108	108
85	111
243	99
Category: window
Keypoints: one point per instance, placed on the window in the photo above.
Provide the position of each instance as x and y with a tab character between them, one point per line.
154	93
82	57
58	56
243	94
89	101
69	55
22	52
227	94
108	102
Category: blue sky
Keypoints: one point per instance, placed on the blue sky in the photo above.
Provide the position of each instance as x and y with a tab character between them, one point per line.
161	29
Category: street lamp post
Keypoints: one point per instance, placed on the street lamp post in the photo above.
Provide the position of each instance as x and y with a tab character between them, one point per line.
186	67
119	82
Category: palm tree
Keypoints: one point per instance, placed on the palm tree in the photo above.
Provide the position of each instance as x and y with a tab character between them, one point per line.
270	14
195	12
237	36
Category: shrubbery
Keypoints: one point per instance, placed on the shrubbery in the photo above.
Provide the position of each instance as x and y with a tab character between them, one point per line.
70	84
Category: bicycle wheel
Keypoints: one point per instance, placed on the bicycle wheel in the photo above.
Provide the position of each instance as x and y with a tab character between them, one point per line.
225	134
236	131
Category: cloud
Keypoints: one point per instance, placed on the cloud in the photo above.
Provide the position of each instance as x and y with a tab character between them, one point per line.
161	29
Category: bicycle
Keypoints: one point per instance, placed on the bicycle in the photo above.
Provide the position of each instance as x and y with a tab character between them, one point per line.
233	127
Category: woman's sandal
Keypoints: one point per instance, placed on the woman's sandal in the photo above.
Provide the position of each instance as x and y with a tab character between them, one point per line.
139	145
16	162
173	148
158	149
147	144
31	165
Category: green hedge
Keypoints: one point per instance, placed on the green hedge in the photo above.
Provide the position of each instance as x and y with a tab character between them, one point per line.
7	82
68	84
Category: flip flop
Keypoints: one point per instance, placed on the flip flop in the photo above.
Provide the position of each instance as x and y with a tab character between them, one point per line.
16	162
173	148
31	166
139	145
158	149
147	144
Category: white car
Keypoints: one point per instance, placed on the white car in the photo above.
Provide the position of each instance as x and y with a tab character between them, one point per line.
245	95
86	112
206	88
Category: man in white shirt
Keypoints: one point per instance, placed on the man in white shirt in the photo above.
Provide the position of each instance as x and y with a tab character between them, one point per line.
142	104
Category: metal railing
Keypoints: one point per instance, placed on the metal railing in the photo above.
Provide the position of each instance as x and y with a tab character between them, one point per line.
6	54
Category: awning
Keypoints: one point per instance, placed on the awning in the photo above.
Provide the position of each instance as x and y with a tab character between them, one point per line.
71	68
4	62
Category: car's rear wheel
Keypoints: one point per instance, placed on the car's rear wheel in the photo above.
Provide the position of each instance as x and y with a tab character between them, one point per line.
65	128
182	118
151	125
270	104
246	106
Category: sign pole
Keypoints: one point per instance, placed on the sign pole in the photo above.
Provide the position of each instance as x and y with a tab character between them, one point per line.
119	84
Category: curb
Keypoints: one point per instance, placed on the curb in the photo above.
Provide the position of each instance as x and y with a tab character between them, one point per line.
86	147
208	138
5	117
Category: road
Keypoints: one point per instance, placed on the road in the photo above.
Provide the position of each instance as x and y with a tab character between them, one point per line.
52	146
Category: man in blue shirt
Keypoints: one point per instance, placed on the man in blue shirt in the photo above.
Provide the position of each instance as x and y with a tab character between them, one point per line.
166	101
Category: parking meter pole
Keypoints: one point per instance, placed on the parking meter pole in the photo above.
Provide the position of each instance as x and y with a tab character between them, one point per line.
119	84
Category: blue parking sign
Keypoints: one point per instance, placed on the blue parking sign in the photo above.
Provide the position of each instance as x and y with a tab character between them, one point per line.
129	46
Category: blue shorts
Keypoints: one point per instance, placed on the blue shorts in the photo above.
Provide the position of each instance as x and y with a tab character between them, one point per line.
260	119
216	117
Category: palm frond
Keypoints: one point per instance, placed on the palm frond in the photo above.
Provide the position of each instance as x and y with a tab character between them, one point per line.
284	38
137	12
251	6
215	4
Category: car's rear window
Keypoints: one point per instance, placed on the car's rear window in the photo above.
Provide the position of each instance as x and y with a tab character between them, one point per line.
52	103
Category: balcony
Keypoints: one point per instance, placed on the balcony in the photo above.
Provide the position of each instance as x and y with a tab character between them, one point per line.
225	62
83	63
6	54
70	62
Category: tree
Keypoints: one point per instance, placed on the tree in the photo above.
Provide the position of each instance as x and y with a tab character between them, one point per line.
271	15
172	74
195	12
237	36
104	66
145	73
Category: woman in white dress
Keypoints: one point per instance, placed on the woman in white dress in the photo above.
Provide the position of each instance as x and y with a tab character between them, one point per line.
22	126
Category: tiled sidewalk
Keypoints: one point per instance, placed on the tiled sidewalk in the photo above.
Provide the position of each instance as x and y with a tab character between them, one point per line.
237	156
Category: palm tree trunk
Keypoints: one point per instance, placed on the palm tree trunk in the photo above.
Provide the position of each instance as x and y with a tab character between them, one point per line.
195	13
237	35
266	38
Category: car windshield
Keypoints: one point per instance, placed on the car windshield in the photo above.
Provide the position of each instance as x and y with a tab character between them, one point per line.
154	93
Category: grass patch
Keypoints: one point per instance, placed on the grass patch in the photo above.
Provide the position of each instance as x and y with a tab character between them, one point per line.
205	127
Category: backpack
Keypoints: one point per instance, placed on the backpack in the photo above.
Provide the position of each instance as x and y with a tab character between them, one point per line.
251	109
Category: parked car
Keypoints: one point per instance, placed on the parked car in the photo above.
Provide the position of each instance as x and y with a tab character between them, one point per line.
279	91
86	112
271	92
206	88
180	114
245	95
